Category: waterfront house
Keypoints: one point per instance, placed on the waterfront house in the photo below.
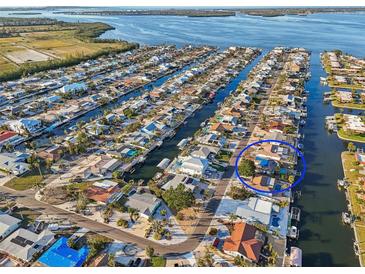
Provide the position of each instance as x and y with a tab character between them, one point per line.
257	210
221	128
74	87
194	166
145	203
154	128
9	137
61	255
173	181
24	126
263	183
205	152
245	241
213	139
7	224
24	244
360	157
354	123
344	96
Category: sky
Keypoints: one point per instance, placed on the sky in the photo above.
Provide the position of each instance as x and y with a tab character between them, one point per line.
182	3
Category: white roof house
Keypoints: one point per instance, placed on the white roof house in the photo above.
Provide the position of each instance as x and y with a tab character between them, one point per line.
204	151
256	210
7	224
194	166
178	179
24	125
145	203
23	243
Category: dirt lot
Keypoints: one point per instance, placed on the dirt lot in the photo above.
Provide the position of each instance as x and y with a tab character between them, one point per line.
27	55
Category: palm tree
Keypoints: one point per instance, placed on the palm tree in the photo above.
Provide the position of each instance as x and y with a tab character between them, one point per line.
34	163
132	213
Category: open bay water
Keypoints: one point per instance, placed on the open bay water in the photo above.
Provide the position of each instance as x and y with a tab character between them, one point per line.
324	239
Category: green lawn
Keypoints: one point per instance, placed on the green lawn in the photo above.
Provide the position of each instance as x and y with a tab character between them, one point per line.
355	138
348	105
25	181
158	261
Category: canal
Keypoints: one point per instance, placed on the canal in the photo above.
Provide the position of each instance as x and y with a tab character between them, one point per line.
169	148
325	241
98	112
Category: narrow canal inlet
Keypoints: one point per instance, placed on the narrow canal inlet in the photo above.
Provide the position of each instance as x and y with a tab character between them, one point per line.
59	131
169	149
325	241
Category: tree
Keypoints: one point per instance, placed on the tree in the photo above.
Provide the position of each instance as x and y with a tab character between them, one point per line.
34	163
232	218
111	260
49	163
150	251
213	231
247	168
239	193
351	147
132	214
179	198
117	174
81	201
122	223
238	261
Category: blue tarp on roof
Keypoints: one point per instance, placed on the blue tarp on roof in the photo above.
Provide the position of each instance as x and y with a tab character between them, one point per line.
61	255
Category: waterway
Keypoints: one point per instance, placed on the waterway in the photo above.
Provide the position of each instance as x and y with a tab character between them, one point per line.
169	148
323	238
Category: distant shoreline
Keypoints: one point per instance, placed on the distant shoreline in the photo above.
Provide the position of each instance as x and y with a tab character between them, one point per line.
160	12
224	12
25	13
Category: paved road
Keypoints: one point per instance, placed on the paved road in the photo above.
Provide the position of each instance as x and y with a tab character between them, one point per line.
26	198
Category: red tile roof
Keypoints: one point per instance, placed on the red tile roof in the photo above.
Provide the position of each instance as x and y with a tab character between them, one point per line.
4	135
243	241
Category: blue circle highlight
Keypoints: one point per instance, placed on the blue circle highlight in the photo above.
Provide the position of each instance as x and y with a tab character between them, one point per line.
298	152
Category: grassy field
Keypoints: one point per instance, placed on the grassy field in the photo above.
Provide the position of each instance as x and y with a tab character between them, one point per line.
57	42
348	105
348	137
26	181
351	171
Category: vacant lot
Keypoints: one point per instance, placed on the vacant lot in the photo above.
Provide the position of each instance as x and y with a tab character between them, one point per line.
26	55
44	43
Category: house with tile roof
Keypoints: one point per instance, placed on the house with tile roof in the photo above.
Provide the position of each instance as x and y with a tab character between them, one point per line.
245	241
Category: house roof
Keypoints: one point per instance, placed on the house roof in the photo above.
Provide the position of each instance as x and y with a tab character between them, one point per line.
5	135
177	180
61	255
24	243
256	209
145	203
6	222
243	240
195	164
102	191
